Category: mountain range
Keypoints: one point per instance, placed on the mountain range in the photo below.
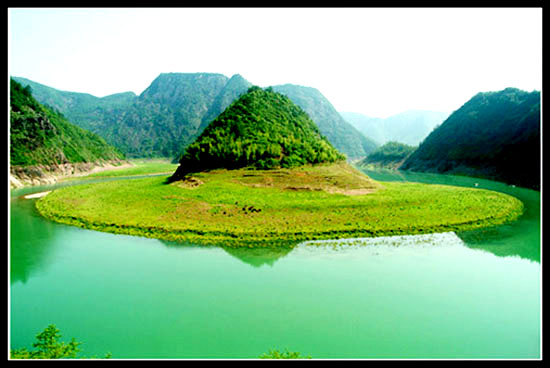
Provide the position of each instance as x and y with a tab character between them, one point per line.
177	107
161	121
495	135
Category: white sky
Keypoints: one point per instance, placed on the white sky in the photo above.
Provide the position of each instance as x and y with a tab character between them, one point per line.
375	61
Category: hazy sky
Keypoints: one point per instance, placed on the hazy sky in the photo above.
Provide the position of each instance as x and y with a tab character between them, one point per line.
374	61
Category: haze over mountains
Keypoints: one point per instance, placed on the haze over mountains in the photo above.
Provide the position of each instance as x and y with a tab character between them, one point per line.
409	127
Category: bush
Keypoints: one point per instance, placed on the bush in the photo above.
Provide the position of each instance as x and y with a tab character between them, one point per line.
276	354
48	347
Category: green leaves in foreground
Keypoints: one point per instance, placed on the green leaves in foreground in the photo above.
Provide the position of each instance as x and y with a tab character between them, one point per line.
276	354
48	347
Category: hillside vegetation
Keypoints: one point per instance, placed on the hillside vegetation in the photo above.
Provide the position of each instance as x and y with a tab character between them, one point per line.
177	107
41	136
495	135
341	134
83	109
161	121
262	129
390	155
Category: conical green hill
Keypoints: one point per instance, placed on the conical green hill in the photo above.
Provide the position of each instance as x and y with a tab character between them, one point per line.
262	129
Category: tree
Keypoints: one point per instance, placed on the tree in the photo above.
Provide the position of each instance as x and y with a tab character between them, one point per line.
48	347
276	354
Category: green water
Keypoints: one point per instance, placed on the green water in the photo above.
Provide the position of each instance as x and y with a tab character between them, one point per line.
467	295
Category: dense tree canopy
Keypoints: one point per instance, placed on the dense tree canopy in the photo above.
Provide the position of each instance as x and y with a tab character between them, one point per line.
494	135
332	125
262	129
41	136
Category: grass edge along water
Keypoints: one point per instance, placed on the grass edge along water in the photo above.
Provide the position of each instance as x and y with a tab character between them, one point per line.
259	208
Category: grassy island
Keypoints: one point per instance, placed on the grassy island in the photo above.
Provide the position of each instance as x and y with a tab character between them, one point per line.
247	207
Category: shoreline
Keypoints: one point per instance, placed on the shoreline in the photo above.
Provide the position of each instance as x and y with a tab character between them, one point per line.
30	176
255	209
37	195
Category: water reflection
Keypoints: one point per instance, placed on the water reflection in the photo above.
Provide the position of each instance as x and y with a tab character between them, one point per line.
520	238
258	257
255	257
389	297
448	239
32	241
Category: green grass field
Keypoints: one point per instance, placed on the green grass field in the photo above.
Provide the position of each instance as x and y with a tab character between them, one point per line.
141	167
275	207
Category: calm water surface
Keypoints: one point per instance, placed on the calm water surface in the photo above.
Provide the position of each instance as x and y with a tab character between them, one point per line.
467	295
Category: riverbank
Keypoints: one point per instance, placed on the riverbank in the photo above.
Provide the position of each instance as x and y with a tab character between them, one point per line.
275	207
23	176
37	195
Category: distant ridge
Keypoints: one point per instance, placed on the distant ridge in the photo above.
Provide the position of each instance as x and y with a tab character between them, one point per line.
409	127
82	109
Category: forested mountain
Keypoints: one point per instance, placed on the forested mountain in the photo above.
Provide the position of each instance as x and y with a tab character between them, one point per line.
87	111
339	132
389	155
409	127
171	112
161	121
494	135
262	129
236	86
176	107
41	136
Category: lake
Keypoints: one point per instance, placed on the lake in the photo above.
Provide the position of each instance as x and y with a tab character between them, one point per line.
467	295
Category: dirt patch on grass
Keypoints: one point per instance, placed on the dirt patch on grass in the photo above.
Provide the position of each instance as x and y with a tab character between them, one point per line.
339	178
189	182
353	192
